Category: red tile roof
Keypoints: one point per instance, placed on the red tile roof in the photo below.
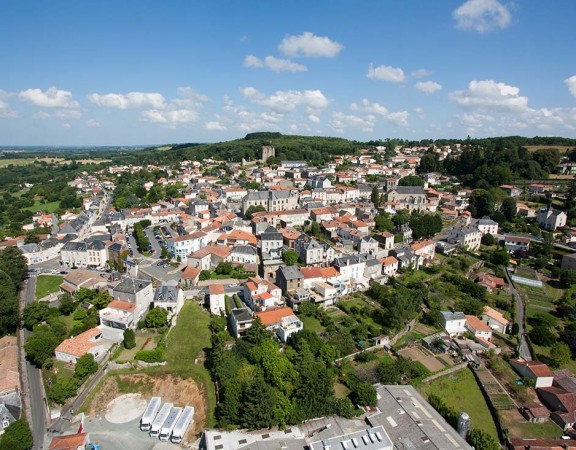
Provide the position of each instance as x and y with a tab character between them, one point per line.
119	304
274	316
70	442
81	344
217	289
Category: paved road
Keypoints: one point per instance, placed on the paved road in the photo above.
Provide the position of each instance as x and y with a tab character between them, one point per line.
523	348
37	396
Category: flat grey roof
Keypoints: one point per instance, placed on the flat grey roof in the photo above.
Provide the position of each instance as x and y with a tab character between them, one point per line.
411	422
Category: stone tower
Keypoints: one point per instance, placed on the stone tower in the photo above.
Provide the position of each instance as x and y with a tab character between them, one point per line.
267	152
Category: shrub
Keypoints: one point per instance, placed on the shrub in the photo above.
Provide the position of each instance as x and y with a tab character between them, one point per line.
129	339
150	356
63	389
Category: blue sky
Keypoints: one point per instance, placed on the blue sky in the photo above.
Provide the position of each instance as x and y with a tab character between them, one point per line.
153	72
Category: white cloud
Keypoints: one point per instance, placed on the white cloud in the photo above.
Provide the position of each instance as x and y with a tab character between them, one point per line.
92	123
128	101
341	121
253	61
488	94
41	115
285	101
313	118
571	84
52	98
274	64
214	126
5	111
177	116
307	44
386	73
482	16
189	99
420	73
66	126
428	87
65	114
371	108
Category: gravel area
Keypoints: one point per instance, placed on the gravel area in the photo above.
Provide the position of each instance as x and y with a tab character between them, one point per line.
125	408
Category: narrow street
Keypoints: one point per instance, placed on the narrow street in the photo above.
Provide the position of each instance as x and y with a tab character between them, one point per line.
36	391
523	348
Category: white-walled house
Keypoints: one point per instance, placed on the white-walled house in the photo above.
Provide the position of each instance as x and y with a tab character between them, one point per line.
117	317
468	237
454	323
133	290
495	320
216	299
478	328
73	348
537	371
487	226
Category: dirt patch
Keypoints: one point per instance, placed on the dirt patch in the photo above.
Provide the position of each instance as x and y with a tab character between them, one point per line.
424	329
432	364
170	387
125	408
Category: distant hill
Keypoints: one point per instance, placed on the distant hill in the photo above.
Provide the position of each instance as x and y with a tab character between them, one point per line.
309	148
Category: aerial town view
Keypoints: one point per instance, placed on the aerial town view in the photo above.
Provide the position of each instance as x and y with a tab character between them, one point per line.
304	225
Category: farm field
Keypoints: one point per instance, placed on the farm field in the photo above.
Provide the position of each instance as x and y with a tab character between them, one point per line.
460	388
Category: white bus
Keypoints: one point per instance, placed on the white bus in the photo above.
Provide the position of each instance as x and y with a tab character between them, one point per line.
150	413
169	424
160	419
182	425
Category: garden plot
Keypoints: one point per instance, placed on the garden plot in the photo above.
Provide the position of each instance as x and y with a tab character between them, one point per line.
426	358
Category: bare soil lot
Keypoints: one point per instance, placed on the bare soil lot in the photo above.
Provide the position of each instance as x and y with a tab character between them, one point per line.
426	358
170	387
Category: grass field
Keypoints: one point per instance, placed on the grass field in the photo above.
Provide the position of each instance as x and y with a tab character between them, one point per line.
47	284
460	391
26	161
560	148
48	207
312	324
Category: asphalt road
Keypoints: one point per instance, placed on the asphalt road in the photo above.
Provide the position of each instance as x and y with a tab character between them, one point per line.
37	396
523	348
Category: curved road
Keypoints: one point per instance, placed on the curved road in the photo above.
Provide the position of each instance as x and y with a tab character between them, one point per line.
36	389
523	348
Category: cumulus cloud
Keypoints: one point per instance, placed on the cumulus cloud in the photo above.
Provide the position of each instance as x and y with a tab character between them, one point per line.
65	114
307	44
371	108
214	126
571	84
131	100
5	111
420	73
177	116
274	64
386	73
482	16
285	101
66	126
488	94
92	123
428	87
51	98
313	118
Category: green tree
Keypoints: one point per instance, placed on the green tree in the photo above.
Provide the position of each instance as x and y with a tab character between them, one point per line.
567	278
253	209
257	333
508	208
14	264
129	339
541	334
66	305
85	366
411	180
17	436
8	305
375	196
224	268
156	318
63	389
384	222
560	354
40	346
258	404
481	440
101	300
290	257
500	258
364	394
481	203
35	313
489	239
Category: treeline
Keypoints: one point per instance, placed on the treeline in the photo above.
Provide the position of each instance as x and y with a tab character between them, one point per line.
13	270
259	386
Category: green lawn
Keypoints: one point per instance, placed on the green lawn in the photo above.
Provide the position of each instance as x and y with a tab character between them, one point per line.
546	430
311	324
460	391
47	284
48	207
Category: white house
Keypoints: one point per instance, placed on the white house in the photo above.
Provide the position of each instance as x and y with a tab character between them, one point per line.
117	317
550	218
389	266
182	246
468	237
261	294
495	320
73	348
216	299
537	371
134	290
454	323
171	298
478	328
487	226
